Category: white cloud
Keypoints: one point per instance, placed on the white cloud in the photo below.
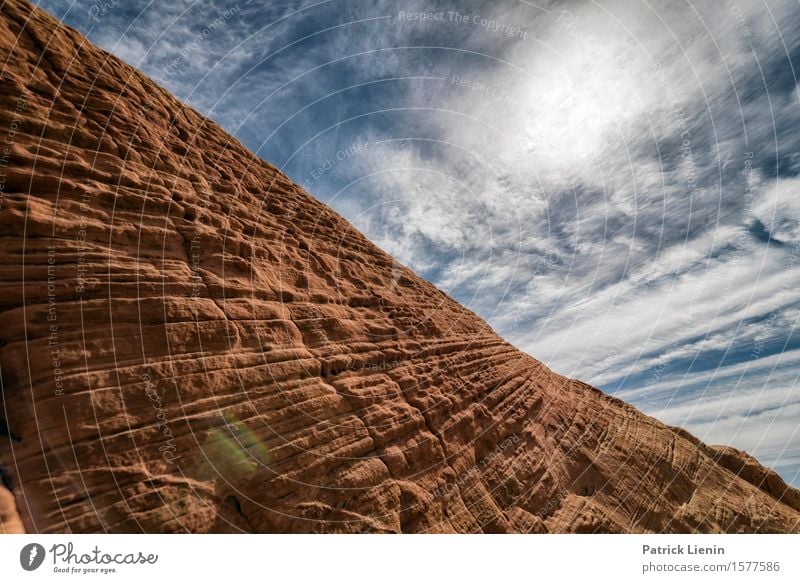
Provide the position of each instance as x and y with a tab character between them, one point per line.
777	206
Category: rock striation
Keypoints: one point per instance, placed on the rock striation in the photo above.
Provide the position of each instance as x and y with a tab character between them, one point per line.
189	342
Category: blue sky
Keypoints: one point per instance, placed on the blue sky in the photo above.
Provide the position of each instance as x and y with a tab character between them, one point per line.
614	186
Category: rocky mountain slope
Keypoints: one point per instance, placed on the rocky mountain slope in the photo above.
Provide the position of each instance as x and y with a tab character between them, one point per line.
190	342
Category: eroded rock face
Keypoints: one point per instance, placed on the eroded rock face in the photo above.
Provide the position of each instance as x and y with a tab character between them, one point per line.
190	342
10	522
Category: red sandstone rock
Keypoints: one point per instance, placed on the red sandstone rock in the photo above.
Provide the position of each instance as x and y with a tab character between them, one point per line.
190	342
10	522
